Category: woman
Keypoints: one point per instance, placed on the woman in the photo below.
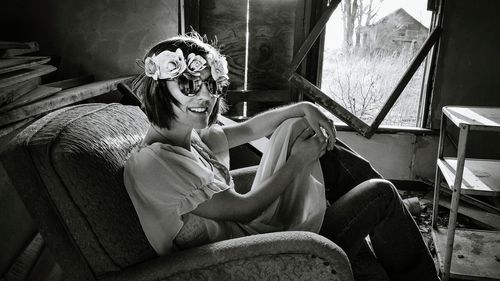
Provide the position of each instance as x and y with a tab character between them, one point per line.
179	182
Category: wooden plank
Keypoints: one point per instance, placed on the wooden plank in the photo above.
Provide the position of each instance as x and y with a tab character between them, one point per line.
15	126
15	52
226	20
11	93
414	65
61	99
18	45
480	177
18	76
438	176
270	49
313	35
15	63
72	82
329	104
191	11
478	117
18	49
39	93
303	21
455	198
480	216
475	253
473	201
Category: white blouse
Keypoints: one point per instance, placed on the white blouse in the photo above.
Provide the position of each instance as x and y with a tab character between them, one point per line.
166	183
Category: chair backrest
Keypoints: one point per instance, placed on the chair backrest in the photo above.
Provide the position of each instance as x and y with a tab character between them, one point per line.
68	168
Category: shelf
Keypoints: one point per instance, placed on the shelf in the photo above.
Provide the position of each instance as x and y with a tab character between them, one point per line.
478	118
476	253
480	177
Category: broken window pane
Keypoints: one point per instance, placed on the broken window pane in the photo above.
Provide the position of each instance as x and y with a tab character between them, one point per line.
369	44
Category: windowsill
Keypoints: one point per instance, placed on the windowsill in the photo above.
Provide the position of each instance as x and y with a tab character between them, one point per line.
391	129
341	126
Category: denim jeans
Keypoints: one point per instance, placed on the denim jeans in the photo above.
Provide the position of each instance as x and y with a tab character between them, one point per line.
363	204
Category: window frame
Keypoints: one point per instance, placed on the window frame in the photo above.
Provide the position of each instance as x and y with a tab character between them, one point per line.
313	91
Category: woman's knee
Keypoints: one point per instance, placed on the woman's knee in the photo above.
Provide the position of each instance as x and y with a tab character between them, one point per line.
291	129
383	188
296	125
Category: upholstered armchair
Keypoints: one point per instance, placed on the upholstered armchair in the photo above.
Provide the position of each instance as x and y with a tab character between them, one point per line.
68	168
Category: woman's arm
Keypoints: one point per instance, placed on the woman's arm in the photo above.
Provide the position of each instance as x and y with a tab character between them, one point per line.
265	123
229	205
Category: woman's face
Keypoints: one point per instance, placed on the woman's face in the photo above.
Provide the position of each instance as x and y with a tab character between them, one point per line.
192	112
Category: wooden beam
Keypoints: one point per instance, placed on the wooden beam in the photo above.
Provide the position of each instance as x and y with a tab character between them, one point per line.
18	45
309	42
328	103
11	93
39	93
61	99
10	49
72	82
15	63
191	15
472	201
18	76
484	218
422	53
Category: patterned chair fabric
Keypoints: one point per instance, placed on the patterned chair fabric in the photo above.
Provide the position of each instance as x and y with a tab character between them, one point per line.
68	169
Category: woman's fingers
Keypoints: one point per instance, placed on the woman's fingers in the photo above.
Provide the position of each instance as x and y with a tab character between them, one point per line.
329	127
317	129
323	149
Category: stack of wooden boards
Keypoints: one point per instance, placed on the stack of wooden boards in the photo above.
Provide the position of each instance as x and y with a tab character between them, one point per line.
22	96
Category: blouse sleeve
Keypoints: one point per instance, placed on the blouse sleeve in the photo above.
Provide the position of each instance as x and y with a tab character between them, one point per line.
164	183
215	138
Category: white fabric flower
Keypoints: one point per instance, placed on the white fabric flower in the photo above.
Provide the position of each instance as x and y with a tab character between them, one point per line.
195	64
218	67
165	65
151	69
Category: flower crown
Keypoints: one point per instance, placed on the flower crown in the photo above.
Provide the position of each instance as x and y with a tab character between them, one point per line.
170	65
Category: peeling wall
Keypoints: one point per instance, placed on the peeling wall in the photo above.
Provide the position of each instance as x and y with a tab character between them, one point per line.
402	156
102	38
468	71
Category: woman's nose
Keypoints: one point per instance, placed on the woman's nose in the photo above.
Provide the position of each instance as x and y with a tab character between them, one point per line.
204	93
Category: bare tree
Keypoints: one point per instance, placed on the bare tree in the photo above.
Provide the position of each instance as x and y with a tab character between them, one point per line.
349	11
355	14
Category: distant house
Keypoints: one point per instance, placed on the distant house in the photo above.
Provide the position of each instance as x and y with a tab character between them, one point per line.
397	32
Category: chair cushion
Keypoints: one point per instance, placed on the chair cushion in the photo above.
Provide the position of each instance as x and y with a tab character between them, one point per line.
78	153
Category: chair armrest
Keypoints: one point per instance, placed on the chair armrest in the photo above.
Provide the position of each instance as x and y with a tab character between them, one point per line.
283	255
243	178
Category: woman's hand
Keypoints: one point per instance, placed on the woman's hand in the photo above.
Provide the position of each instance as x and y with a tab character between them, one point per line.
308	147
319	122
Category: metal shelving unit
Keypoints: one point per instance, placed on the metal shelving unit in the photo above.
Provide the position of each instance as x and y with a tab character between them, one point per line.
467	253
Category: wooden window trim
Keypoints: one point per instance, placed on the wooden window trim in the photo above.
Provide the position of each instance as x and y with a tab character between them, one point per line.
328	103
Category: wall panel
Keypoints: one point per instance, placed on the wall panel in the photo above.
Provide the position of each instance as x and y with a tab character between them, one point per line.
271	28
93	37
226	20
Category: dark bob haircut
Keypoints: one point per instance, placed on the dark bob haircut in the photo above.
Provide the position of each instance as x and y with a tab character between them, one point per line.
155	97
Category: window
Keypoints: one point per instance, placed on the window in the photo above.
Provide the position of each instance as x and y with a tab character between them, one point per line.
371	64
368	46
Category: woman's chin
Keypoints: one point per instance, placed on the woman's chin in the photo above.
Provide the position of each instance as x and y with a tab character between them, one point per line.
201	124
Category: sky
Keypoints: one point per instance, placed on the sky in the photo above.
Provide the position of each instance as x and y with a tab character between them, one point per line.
416	8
